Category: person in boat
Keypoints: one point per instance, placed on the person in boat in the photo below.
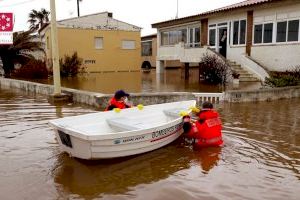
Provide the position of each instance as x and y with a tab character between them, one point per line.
119	100
206	131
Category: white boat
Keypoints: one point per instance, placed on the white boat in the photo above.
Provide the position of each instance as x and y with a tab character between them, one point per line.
116	134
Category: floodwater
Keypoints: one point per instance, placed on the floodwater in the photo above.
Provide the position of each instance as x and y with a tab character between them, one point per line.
136	82
260	159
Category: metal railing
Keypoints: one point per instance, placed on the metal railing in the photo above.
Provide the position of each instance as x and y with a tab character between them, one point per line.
211	97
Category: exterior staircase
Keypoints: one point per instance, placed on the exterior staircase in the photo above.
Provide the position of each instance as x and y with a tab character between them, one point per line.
245	76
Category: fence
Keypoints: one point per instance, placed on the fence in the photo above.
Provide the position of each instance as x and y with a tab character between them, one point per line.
211	97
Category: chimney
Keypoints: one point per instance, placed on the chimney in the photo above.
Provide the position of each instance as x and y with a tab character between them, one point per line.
109	14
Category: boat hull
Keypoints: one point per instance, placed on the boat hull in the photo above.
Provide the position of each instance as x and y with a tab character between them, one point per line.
145	141
113	134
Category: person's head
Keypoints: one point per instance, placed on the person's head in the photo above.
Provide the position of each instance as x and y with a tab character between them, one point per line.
224	32
207	105
121	95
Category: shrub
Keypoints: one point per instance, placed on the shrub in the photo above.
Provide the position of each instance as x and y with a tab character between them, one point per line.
214	70
33	69
70	65
282	79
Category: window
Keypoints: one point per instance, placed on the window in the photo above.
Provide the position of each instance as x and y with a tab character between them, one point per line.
147	48
194	36
293	30
182	35
263	33
236	32
197	36
239	32
268	33
258	33
287	31
242	31
212	37
98	43
165	38
173	37
281	31
128	44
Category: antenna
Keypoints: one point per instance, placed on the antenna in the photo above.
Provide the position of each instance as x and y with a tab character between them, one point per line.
177	11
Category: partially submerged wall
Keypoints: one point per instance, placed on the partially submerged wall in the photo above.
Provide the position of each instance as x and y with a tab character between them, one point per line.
100	100
268	94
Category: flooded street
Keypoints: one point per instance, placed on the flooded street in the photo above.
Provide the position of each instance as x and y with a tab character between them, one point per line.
260	159
134	82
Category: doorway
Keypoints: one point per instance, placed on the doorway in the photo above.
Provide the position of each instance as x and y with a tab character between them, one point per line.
215	34
222	41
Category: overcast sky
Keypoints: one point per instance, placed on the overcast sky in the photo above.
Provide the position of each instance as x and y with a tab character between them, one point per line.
141	13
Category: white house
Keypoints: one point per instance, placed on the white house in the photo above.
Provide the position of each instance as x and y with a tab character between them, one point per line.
262	36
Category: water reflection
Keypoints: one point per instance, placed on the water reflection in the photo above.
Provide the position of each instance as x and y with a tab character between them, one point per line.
135	82
95	178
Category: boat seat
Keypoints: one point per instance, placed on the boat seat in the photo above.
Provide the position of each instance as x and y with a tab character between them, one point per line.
126	124
174	112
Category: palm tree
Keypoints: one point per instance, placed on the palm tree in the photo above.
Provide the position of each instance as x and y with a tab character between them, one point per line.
38	18
25	43
78	7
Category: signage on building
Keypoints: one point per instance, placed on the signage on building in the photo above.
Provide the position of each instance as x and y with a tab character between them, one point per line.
6	28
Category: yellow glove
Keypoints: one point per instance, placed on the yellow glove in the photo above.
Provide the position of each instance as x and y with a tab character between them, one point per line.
183	113
140	106
194	109
117	110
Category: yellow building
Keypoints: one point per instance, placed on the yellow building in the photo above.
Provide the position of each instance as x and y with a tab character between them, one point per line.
105	44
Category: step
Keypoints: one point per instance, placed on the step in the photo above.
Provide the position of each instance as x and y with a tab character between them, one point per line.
243	72
246	75
248	79
237	68
240	71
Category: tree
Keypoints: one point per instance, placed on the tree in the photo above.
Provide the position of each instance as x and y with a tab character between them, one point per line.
78	7
20	52
38	18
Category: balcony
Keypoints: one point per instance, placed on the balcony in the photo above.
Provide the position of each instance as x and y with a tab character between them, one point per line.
182	53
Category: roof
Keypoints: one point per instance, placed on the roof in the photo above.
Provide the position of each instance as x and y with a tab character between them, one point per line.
98	21
243	4
147	37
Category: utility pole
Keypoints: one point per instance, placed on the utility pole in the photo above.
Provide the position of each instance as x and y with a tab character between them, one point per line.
78	8
177	11
55	55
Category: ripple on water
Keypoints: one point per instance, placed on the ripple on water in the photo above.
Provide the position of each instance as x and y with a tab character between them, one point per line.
260	158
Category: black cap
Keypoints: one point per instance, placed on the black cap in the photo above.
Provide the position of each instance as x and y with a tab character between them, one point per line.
207	104
120	93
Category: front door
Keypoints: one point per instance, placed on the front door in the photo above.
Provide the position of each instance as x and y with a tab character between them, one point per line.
222	41
216	39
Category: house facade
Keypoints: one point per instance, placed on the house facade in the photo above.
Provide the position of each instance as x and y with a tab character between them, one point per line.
104	43
149	53
261	36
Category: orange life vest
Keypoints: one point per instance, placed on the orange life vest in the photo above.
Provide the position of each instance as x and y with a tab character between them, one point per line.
207	130
113	103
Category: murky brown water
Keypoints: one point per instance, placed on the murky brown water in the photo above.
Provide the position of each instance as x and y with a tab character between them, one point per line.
261	158
135	82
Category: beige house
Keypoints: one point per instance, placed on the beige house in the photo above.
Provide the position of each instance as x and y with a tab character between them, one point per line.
104	43
262	36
